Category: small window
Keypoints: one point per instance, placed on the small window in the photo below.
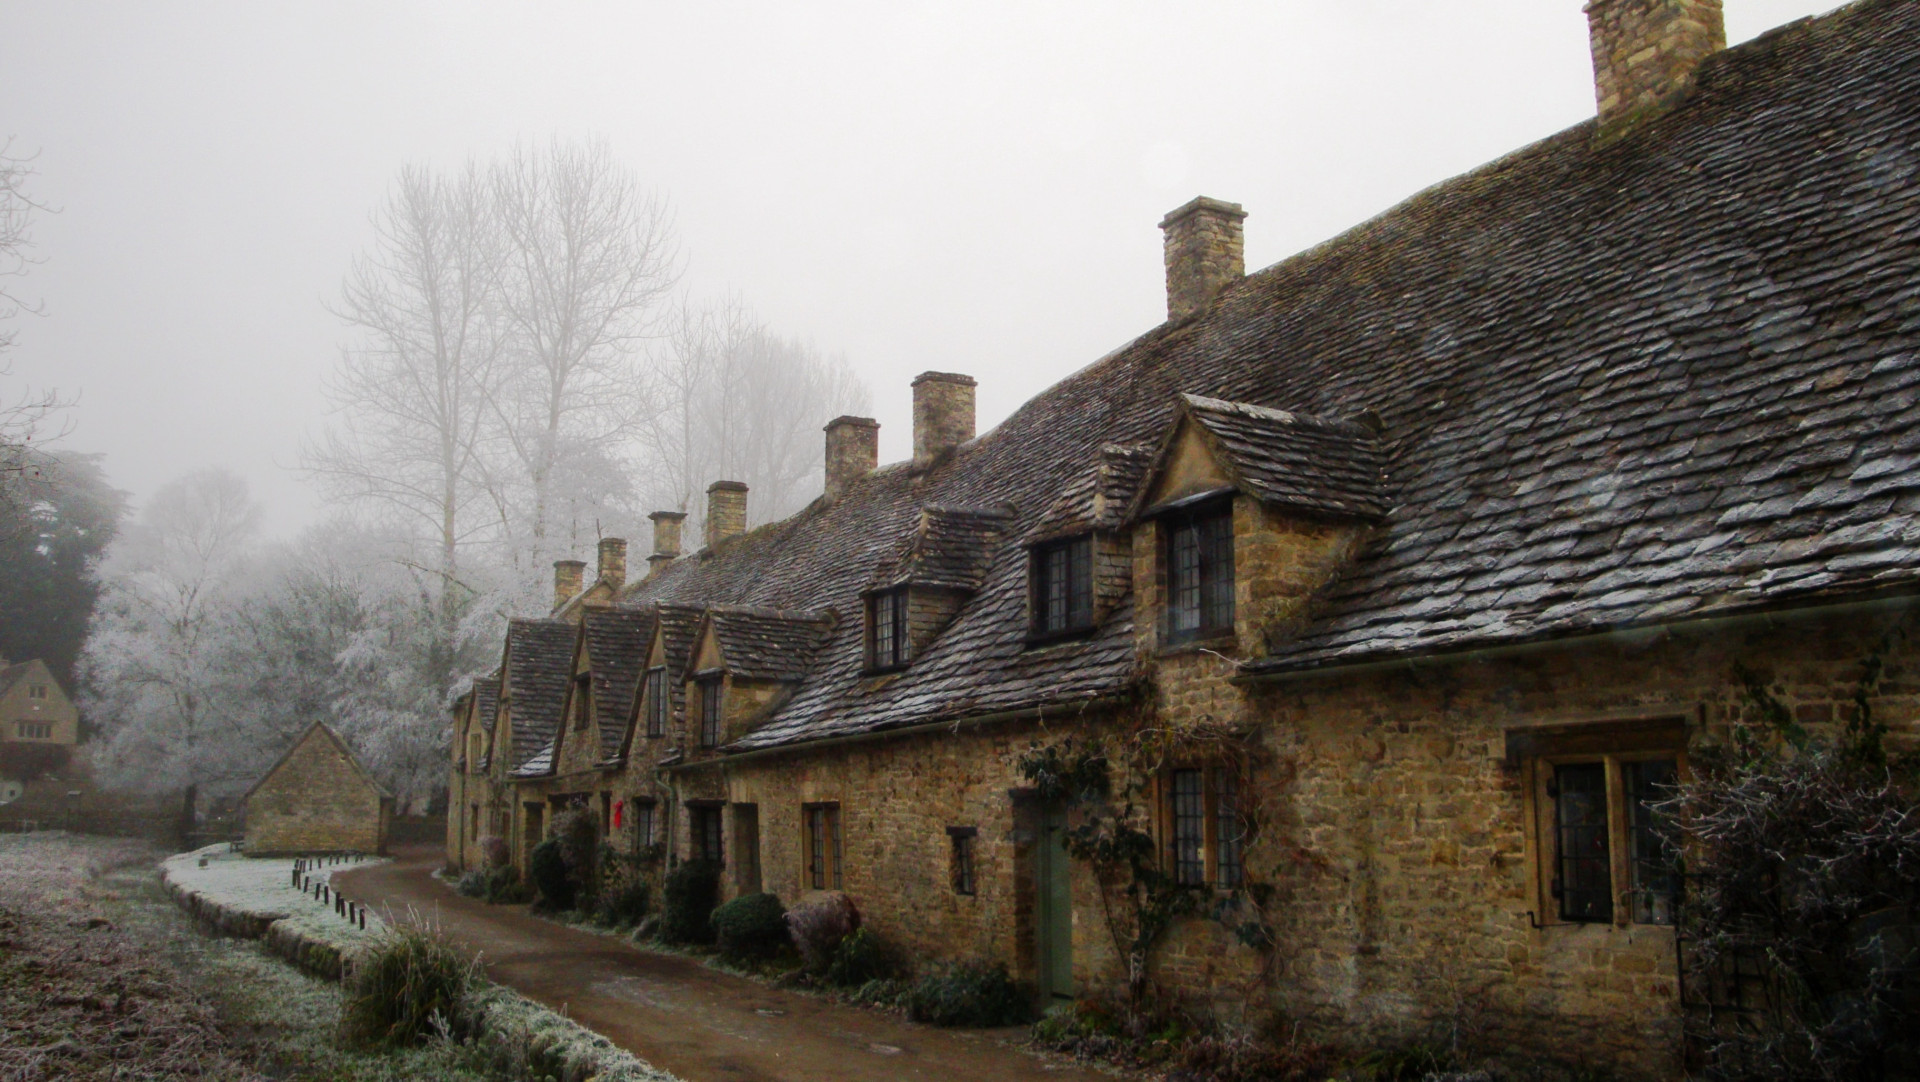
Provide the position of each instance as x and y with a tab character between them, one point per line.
708	700
474	819
704	822
476	751
887	644
1608	855
31	730
36	691
1188	794
1199	566
1205	832
820	841
582	692
657	705
961	841
1063	586
1229	829
1582	881
1656	859
643	823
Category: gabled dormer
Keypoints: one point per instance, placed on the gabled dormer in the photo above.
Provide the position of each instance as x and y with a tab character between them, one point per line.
1079	555
1246	514
659	697
536	670
744	663
608	657
917	594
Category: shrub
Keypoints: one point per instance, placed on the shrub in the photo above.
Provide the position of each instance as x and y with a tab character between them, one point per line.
818	926
687	910
622	903
970	994
494	851
504	887
548	870
860	959
411	984
472	885
577	831
751	928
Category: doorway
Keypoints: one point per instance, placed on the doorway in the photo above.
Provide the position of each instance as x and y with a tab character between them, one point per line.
1053	906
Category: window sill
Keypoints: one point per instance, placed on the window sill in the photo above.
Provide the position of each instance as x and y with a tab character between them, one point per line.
1037	639
1216	643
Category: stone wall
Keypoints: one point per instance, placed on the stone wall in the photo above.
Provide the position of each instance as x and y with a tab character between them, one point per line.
1205	249
316	801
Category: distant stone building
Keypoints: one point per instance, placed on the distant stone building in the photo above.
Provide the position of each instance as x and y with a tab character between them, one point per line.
317	799
39	726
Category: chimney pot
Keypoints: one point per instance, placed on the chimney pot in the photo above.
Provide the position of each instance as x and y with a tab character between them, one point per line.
568	575
666	538
1205	252
1645	52
726	511
853	450
942	415
613	562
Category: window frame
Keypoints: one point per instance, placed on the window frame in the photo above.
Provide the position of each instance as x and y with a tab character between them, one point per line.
699	817
822	847
709	695
901	653
963	860
1628	902
1210	524
37	691
654	703
644	817
1218	862
33	730
582	691
1077	605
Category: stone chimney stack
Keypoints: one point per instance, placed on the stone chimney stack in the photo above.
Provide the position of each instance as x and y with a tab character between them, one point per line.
666	538
942	415
1205	252
568	576
1644	52
613	561
853	450
726	511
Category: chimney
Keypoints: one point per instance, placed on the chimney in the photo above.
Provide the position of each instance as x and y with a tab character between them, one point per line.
726	511
853	450
942	415
1644	52
666	538
567	578
1205	251
613	562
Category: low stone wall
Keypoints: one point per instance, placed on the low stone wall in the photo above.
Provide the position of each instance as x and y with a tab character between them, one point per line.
307	952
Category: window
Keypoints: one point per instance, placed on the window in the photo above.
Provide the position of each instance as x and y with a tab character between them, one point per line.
887	645
581	693
1607	854
643	819
36	691
820	842
960	841
657	705
704	822
746	848
1205	834
708	704
474	819
35	730
1063	586
1199	563
476	751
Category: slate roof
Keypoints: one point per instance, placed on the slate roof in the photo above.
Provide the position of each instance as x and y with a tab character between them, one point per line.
1670	375
768	644
952	547
486	709
616	642
1099	499
539	670
1293	460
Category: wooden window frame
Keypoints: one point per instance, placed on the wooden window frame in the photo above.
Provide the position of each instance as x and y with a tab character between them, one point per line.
963	860
1221	861
698	816
1071	559
582	691
655	704
644	814
710	701
37	691
893	651
1627	900
33	730
1210	526
822	847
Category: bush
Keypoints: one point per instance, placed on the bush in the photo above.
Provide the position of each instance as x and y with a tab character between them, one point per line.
623	903
410	985
472	885
505	888
970	994
751	928
577	830
861	958
548	870
687	910
818	926
494	851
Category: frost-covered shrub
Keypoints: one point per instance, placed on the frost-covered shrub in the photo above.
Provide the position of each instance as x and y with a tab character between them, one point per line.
494	851
970	994
751	928
818	926
409	985
577	830
687	907
860	958
548	871
472	885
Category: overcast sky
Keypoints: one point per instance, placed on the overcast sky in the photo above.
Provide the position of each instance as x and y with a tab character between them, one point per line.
969	187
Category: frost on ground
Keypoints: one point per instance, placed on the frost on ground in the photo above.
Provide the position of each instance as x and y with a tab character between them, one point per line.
263	888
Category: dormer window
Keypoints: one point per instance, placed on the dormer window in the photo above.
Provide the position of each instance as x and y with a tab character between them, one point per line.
36	691
657	706
580	693
707	710
1199	563
888	646
1063	586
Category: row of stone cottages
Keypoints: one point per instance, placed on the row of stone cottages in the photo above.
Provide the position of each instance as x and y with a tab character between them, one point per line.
1393	581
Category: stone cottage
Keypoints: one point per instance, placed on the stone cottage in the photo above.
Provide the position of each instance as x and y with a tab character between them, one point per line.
317	799
1391	582
39	728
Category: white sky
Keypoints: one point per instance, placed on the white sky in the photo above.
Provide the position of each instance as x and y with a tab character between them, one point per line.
969	187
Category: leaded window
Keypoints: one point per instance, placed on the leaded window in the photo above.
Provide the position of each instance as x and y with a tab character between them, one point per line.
887	645
1199	558
708	700
822	844
1187	792
1063	586
1655	868
1583	881
1229	830
657	705
960	841
704	822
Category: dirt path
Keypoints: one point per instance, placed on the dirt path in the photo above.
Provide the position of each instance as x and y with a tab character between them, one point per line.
677	1014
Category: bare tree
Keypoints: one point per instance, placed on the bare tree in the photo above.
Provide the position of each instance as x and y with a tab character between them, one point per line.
413	397
24	413
589	259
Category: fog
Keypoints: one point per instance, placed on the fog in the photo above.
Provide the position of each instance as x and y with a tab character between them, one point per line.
966	187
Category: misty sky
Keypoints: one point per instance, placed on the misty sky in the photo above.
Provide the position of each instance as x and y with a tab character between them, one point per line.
969	187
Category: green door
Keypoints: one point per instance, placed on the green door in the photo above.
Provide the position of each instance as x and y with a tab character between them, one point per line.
1053	929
